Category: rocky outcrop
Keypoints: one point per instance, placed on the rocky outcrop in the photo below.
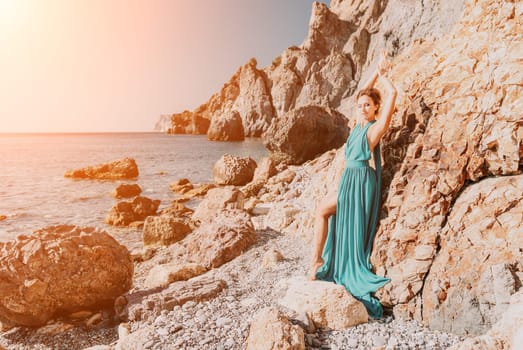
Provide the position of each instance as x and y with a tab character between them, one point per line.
118	170
59	270
164	230
216	200
227	128
327	304
231	170
127	191
124	213
189	123
271	330
457	122
305	133
467	295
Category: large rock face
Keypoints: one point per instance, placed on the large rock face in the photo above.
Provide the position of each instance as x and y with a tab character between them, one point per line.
476	270
119	169
59	270
458	121
304	133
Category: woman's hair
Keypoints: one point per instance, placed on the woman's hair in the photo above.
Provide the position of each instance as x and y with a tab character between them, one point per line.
373	93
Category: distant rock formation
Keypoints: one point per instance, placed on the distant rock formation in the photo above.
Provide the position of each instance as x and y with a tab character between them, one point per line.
117	170
59	270
163	124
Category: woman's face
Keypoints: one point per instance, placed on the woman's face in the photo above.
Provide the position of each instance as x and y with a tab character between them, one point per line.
366	108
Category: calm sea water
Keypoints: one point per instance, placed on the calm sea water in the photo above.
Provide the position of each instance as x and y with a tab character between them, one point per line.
35	194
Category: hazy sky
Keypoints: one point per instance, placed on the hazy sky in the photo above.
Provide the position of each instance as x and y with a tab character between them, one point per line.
116	65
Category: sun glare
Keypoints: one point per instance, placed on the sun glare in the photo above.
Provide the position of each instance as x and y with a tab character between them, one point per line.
9	10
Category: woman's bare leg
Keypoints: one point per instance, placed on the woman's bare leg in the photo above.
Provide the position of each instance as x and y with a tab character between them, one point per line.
325	209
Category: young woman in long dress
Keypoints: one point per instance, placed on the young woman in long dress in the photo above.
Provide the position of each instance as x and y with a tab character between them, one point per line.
345	222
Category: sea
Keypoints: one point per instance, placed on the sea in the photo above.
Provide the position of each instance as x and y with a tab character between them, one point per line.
35	194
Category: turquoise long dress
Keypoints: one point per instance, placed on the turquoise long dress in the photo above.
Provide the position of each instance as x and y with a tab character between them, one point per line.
346	254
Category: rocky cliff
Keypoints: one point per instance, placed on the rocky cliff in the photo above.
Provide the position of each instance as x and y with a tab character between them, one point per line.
450	235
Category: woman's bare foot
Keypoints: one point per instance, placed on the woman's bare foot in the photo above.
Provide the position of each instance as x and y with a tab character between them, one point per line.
315	265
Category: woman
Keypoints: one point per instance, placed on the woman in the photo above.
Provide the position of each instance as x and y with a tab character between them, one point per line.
342	254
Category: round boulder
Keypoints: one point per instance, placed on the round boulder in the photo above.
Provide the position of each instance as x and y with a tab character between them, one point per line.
236	171
304	133
60	270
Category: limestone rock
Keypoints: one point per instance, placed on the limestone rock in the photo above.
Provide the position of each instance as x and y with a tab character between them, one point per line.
272	257
328	304
164	230
216	200
485	230
199	190
177	209
143	304
271	330
305	133
230	170
162	275
264	170
226	128
507	333
124	213
127	191
181	186
60	270
120	169
221	238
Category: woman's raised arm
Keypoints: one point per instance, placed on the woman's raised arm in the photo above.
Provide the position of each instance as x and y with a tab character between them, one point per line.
378	129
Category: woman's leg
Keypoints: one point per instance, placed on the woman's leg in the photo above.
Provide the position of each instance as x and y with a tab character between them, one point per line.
325	209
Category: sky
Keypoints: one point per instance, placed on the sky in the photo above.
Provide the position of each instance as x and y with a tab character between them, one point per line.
117	65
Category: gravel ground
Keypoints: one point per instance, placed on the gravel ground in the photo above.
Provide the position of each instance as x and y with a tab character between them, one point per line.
223	322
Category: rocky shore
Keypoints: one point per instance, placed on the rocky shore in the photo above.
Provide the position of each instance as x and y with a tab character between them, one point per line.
228	273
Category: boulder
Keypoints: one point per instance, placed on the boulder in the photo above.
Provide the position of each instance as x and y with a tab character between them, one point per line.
221	238
124	213
236	171
59	270
118	170
264	170
177	209
181	186
226	128
272	330
127	191
216	200
304	133
164	230
200	190
328	304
